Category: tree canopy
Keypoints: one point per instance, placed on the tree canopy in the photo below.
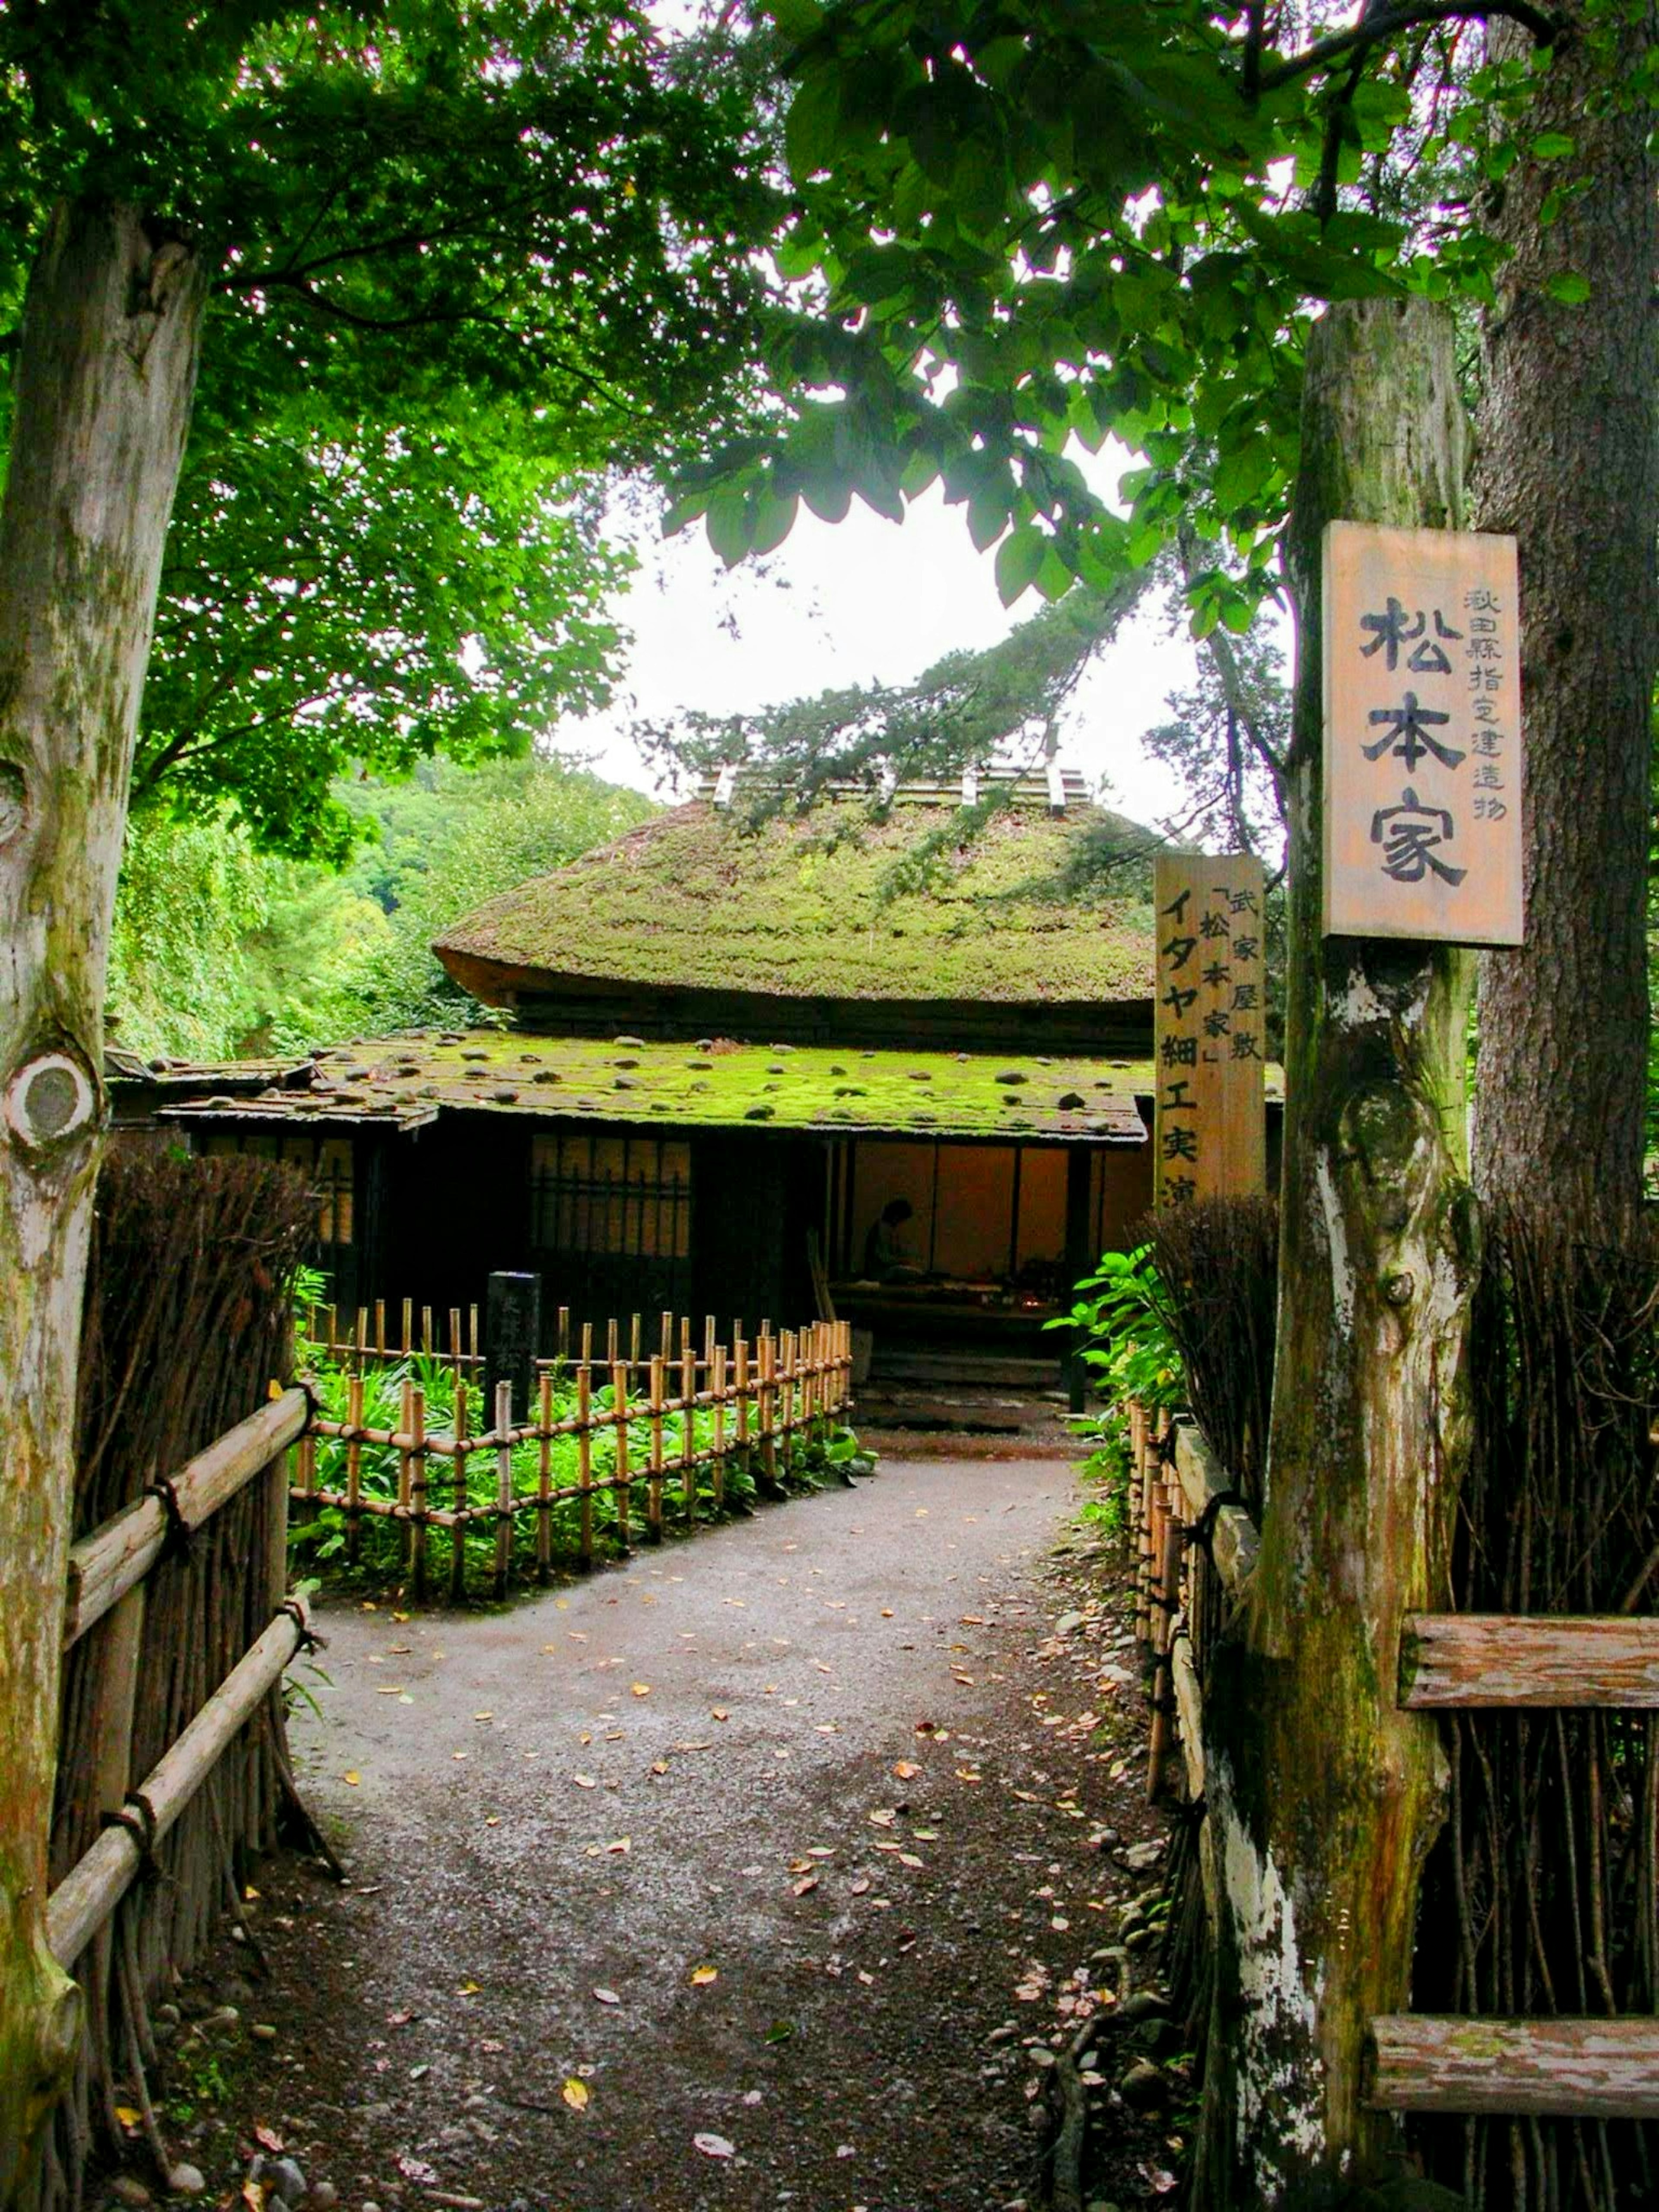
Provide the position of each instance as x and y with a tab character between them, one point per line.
1014	228
463	260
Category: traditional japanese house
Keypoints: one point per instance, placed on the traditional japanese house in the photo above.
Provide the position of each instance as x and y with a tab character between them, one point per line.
709	1055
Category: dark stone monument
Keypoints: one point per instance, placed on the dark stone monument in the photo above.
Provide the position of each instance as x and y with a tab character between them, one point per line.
512	1336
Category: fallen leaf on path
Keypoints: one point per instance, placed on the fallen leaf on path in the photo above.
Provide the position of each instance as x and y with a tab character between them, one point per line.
469	1988
883	1816
399	2019
925	1835
701	1976
415	2169
909	1859
963	1775
352	1776
576	2094
705	1746
585	1781
807	1881
719	1713
268	2139
400	1616
484	1716
660	1767
861	1886
128	2117
607	1996
713	2146
388	1689
641	1689
622	1845
906	1770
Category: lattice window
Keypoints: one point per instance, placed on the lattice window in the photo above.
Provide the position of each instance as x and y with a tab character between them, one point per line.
627	1197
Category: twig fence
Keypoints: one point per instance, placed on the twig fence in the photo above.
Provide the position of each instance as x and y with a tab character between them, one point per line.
1195	1549
629	1427
235	1737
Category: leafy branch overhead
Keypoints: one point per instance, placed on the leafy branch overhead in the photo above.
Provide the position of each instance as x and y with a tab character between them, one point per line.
463	262
1015	234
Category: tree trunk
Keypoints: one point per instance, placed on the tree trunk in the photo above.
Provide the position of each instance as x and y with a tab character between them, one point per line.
1323	1796
103	390
1567	461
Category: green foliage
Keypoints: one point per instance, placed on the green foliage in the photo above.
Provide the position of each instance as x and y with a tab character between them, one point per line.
1121	1310
1014	229
219	950
416	592
462	260
826	1452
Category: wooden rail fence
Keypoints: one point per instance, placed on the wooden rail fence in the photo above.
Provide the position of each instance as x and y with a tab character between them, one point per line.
1571	2068
628	1429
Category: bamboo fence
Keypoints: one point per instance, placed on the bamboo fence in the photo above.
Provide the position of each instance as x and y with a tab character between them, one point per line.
171	1750
637	1429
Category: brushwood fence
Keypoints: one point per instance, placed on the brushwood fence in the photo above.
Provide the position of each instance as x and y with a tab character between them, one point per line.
407	1440
177	1627
1594	2074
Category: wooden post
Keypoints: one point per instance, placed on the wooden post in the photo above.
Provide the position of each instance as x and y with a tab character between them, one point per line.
717	1386
1162	1643
408	1346
354	1465
503	1484
653	1488
767	1411
419	1471
460	1494
619	1416
1324	1797
545	1474
689	1428
585	1451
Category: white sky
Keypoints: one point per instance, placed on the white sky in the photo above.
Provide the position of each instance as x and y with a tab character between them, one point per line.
855	602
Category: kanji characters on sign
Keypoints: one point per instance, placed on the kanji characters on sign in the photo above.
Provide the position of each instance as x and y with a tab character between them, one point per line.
1209	1134
1422	736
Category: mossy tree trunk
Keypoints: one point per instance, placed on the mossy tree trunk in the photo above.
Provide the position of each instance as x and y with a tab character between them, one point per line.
102	399
1323	1796
1568	460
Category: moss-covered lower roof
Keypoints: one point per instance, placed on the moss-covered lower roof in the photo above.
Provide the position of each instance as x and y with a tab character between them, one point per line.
404	1081
829	905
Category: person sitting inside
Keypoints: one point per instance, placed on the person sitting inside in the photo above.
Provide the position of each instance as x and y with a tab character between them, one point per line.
887	1256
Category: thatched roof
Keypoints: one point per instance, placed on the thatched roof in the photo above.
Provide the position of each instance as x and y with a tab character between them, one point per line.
830	906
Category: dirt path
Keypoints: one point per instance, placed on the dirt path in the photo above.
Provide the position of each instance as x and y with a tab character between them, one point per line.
808	1752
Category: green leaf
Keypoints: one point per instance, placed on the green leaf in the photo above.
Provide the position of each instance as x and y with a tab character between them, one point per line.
1019	557
1570	286
1553	146
809	128
772	519
729	525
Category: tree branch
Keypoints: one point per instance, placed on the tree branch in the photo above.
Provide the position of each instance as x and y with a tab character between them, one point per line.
1360	37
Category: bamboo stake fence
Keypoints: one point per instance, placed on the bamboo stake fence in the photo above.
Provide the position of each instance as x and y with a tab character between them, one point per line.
634	1427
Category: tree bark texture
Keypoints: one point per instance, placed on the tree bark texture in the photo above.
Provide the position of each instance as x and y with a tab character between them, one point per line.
1567	461
103	389
1323	1797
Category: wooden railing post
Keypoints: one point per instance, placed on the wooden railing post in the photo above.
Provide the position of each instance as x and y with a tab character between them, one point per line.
503	1484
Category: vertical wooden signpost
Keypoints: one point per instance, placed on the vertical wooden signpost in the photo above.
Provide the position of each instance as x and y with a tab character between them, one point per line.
1209	1134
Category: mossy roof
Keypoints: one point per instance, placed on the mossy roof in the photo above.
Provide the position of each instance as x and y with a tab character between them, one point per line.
829	905
405	1081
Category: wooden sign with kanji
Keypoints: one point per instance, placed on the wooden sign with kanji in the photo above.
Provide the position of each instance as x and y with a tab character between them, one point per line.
1422	736
1210	1127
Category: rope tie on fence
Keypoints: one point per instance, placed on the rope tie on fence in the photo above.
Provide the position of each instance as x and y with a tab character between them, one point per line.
309	1641
1201	1532
176	1544
136	1815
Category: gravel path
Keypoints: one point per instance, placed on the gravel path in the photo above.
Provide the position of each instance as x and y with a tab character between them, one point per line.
708	1882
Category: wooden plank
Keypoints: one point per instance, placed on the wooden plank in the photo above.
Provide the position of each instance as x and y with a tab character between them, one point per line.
1600	2069
1189	1707
1519	1662
1422	673
105	1565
